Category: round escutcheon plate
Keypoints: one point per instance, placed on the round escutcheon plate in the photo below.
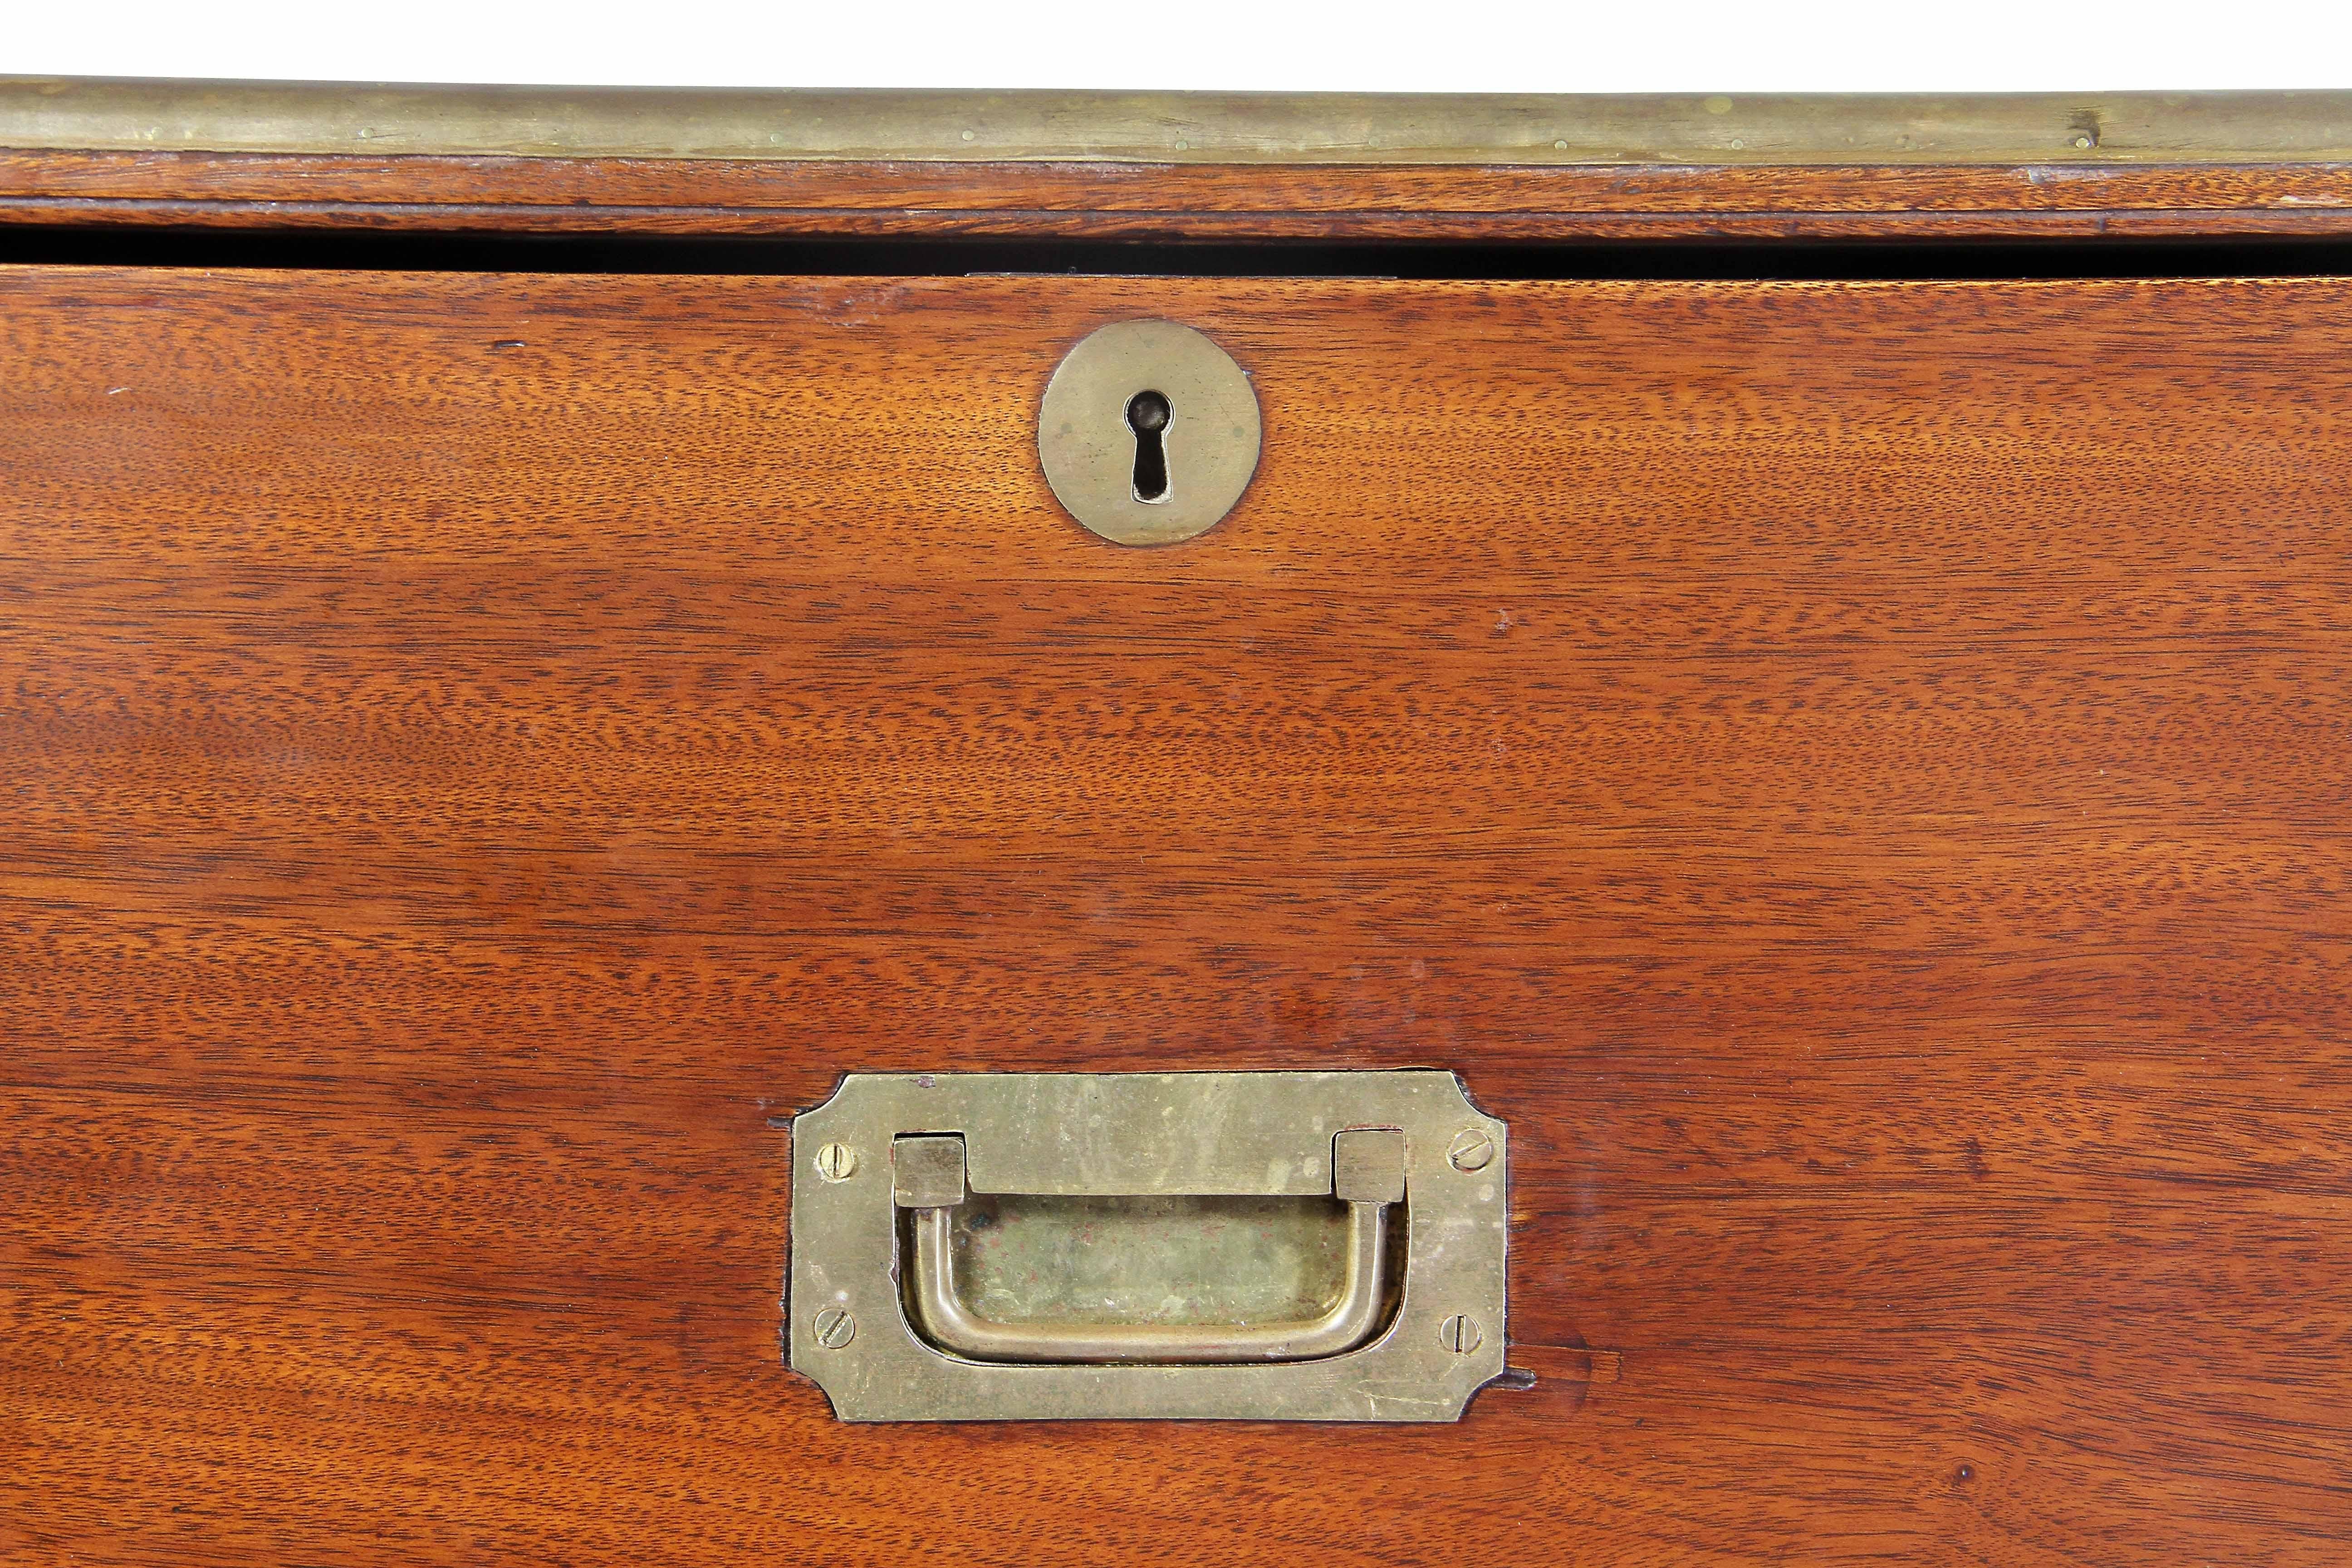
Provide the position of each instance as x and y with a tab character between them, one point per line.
1149	433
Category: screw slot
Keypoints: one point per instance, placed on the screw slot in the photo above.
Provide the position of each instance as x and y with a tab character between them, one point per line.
1149	414
1460	1334
1472	1151
834	1328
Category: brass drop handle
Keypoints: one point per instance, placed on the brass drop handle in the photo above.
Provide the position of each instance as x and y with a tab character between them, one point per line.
1368	1175
1313	1245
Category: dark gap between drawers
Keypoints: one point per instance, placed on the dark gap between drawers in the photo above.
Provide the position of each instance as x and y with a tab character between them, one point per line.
2073	257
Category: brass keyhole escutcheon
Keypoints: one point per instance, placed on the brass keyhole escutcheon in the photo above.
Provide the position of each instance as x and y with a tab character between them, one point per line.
1149	433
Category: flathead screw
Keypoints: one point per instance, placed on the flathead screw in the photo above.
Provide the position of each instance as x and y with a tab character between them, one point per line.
834	1327
1472	1151
1460	1334
836	1162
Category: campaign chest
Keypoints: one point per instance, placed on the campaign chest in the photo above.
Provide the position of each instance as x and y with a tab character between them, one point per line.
1801	650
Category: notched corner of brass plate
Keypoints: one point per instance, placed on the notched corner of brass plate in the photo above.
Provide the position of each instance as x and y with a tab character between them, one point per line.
1281	1246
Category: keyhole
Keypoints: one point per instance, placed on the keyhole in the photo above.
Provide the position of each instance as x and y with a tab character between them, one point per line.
1147	414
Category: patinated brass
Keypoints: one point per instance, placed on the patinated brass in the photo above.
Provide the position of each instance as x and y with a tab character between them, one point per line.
1207	427
1270	1245
1163	127
1180	1260
1367	1180
927	1173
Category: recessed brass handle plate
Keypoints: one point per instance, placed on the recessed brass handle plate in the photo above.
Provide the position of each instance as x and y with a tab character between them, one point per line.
1263	1246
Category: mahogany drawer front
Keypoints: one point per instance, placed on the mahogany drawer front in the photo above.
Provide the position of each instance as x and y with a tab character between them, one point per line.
1854	771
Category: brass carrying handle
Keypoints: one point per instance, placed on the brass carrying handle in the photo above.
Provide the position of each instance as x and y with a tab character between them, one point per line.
1368	1175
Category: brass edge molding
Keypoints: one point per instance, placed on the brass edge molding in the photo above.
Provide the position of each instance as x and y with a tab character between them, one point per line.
102	114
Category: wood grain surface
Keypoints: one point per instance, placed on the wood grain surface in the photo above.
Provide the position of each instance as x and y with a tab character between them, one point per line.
1106	200
1855	773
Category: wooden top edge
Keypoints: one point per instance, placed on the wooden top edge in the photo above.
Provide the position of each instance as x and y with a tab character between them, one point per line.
1664	129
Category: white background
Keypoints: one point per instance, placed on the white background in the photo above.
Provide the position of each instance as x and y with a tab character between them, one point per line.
1461	46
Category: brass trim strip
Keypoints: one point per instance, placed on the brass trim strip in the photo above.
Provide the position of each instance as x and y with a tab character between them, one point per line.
1656	130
